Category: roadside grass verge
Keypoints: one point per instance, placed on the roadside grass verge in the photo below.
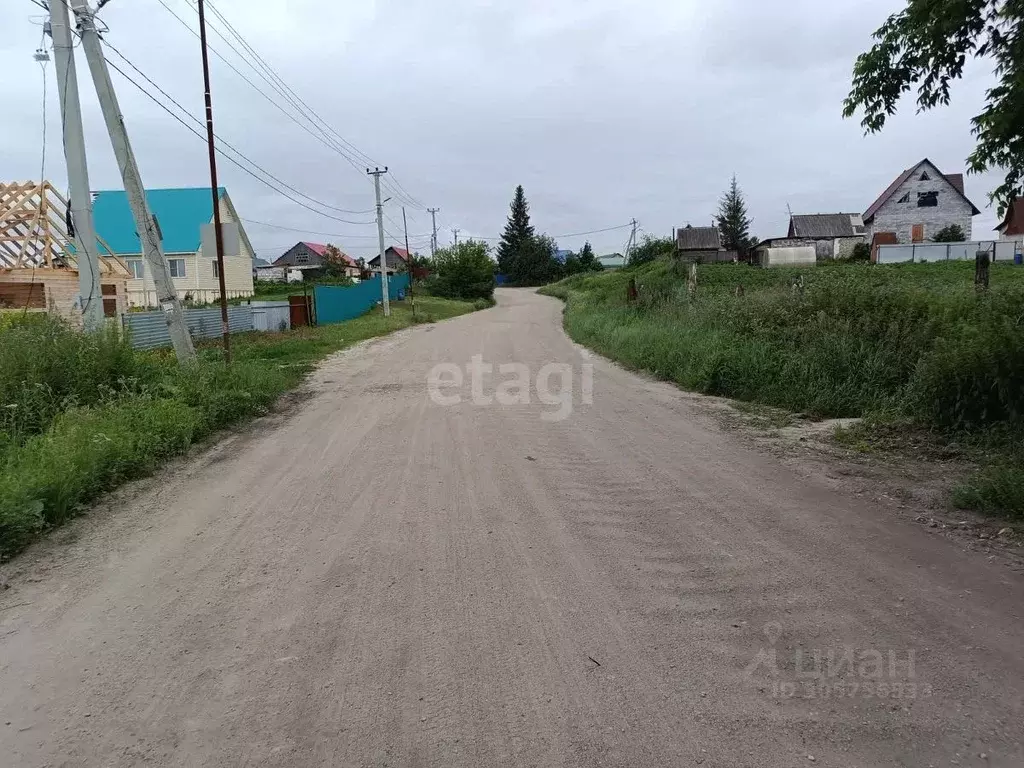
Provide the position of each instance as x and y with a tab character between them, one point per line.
910	344
80	415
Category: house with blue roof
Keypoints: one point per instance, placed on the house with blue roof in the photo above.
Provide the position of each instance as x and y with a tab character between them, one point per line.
180	214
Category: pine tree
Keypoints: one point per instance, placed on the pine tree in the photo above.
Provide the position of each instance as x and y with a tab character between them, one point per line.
518	236
733	221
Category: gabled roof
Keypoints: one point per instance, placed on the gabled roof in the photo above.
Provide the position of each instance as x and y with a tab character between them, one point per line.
955	180
318	248
826	225
180	212
1013	221
698	238
400	252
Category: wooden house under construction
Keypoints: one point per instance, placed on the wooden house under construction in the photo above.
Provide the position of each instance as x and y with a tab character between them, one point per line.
38	265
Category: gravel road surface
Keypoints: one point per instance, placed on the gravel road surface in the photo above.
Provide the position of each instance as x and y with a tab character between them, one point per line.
374	579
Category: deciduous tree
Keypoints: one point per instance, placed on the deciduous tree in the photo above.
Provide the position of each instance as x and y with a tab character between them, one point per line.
925	46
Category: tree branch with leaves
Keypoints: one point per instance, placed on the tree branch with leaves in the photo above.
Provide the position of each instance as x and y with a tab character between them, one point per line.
926	46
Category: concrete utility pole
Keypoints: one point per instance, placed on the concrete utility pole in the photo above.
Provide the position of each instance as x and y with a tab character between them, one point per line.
218	234
433	237
631	242
377	173
455	235
145	224
79	200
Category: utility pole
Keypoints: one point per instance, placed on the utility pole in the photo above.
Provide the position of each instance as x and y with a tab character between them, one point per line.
377	173
145	224
631	242
408	253
433	237
218	234
90	298
455	234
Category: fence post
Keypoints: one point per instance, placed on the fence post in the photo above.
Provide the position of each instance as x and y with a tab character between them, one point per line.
981	263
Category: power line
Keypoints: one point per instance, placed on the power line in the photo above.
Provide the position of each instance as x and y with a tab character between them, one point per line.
324	139
290	95
313	232
222	153
229	145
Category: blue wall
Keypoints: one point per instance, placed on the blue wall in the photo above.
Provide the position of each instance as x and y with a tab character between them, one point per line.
335	304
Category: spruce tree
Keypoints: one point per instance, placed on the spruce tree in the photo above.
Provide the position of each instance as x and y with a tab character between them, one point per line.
518	235
733	221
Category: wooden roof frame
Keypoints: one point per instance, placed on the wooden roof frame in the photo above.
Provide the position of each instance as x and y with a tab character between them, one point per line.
33	230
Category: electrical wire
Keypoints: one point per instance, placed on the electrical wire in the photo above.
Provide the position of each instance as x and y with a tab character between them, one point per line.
223	154
289	94
323	139
232	147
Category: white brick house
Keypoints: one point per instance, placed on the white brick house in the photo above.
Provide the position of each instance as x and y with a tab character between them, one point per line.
920	202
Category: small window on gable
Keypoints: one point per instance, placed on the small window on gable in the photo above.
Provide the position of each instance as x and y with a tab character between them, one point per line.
302	258
904	199
927	199
925	176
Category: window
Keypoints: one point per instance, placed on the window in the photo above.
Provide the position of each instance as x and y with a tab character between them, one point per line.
216	269
302	258
927	199
177	267
137	267
925	176
904	199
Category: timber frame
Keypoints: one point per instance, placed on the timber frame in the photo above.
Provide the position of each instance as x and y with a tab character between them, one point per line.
34	234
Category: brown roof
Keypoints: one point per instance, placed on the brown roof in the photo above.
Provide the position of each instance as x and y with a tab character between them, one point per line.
955	180
1013	222
698	239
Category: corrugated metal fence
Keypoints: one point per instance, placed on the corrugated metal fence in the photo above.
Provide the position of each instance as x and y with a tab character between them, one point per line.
335	304
148	330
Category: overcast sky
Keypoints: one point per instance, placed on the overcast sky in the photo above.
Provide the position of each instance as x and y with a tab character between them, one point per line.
602	110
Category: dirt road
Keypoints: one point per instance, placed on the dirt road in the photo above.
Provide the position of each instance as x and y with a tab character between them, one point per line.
374	579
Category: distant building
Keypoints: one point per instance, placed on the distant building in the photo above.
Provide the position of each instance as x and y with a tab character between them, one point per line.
612	260
180	214
310	259
1012	225
396	259
833	235
921	201
701	244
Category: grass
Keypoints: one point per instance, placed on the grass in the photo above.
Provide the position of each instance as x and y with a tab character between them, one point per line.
81	414
909	344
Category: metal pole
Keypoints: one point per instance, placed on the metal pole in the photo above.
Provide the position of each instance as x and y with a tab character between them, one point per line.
218	235
90	298
377	173
149	234
455	236
433	237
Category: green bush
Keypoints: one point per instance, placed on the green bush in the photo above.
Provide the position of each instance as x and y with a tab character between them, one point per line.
464	271
85	452
47	367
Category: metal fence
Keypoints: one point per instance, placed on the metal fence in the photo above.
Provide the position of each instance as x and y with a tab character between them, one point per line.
148	330
270	316
335	304
998	250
